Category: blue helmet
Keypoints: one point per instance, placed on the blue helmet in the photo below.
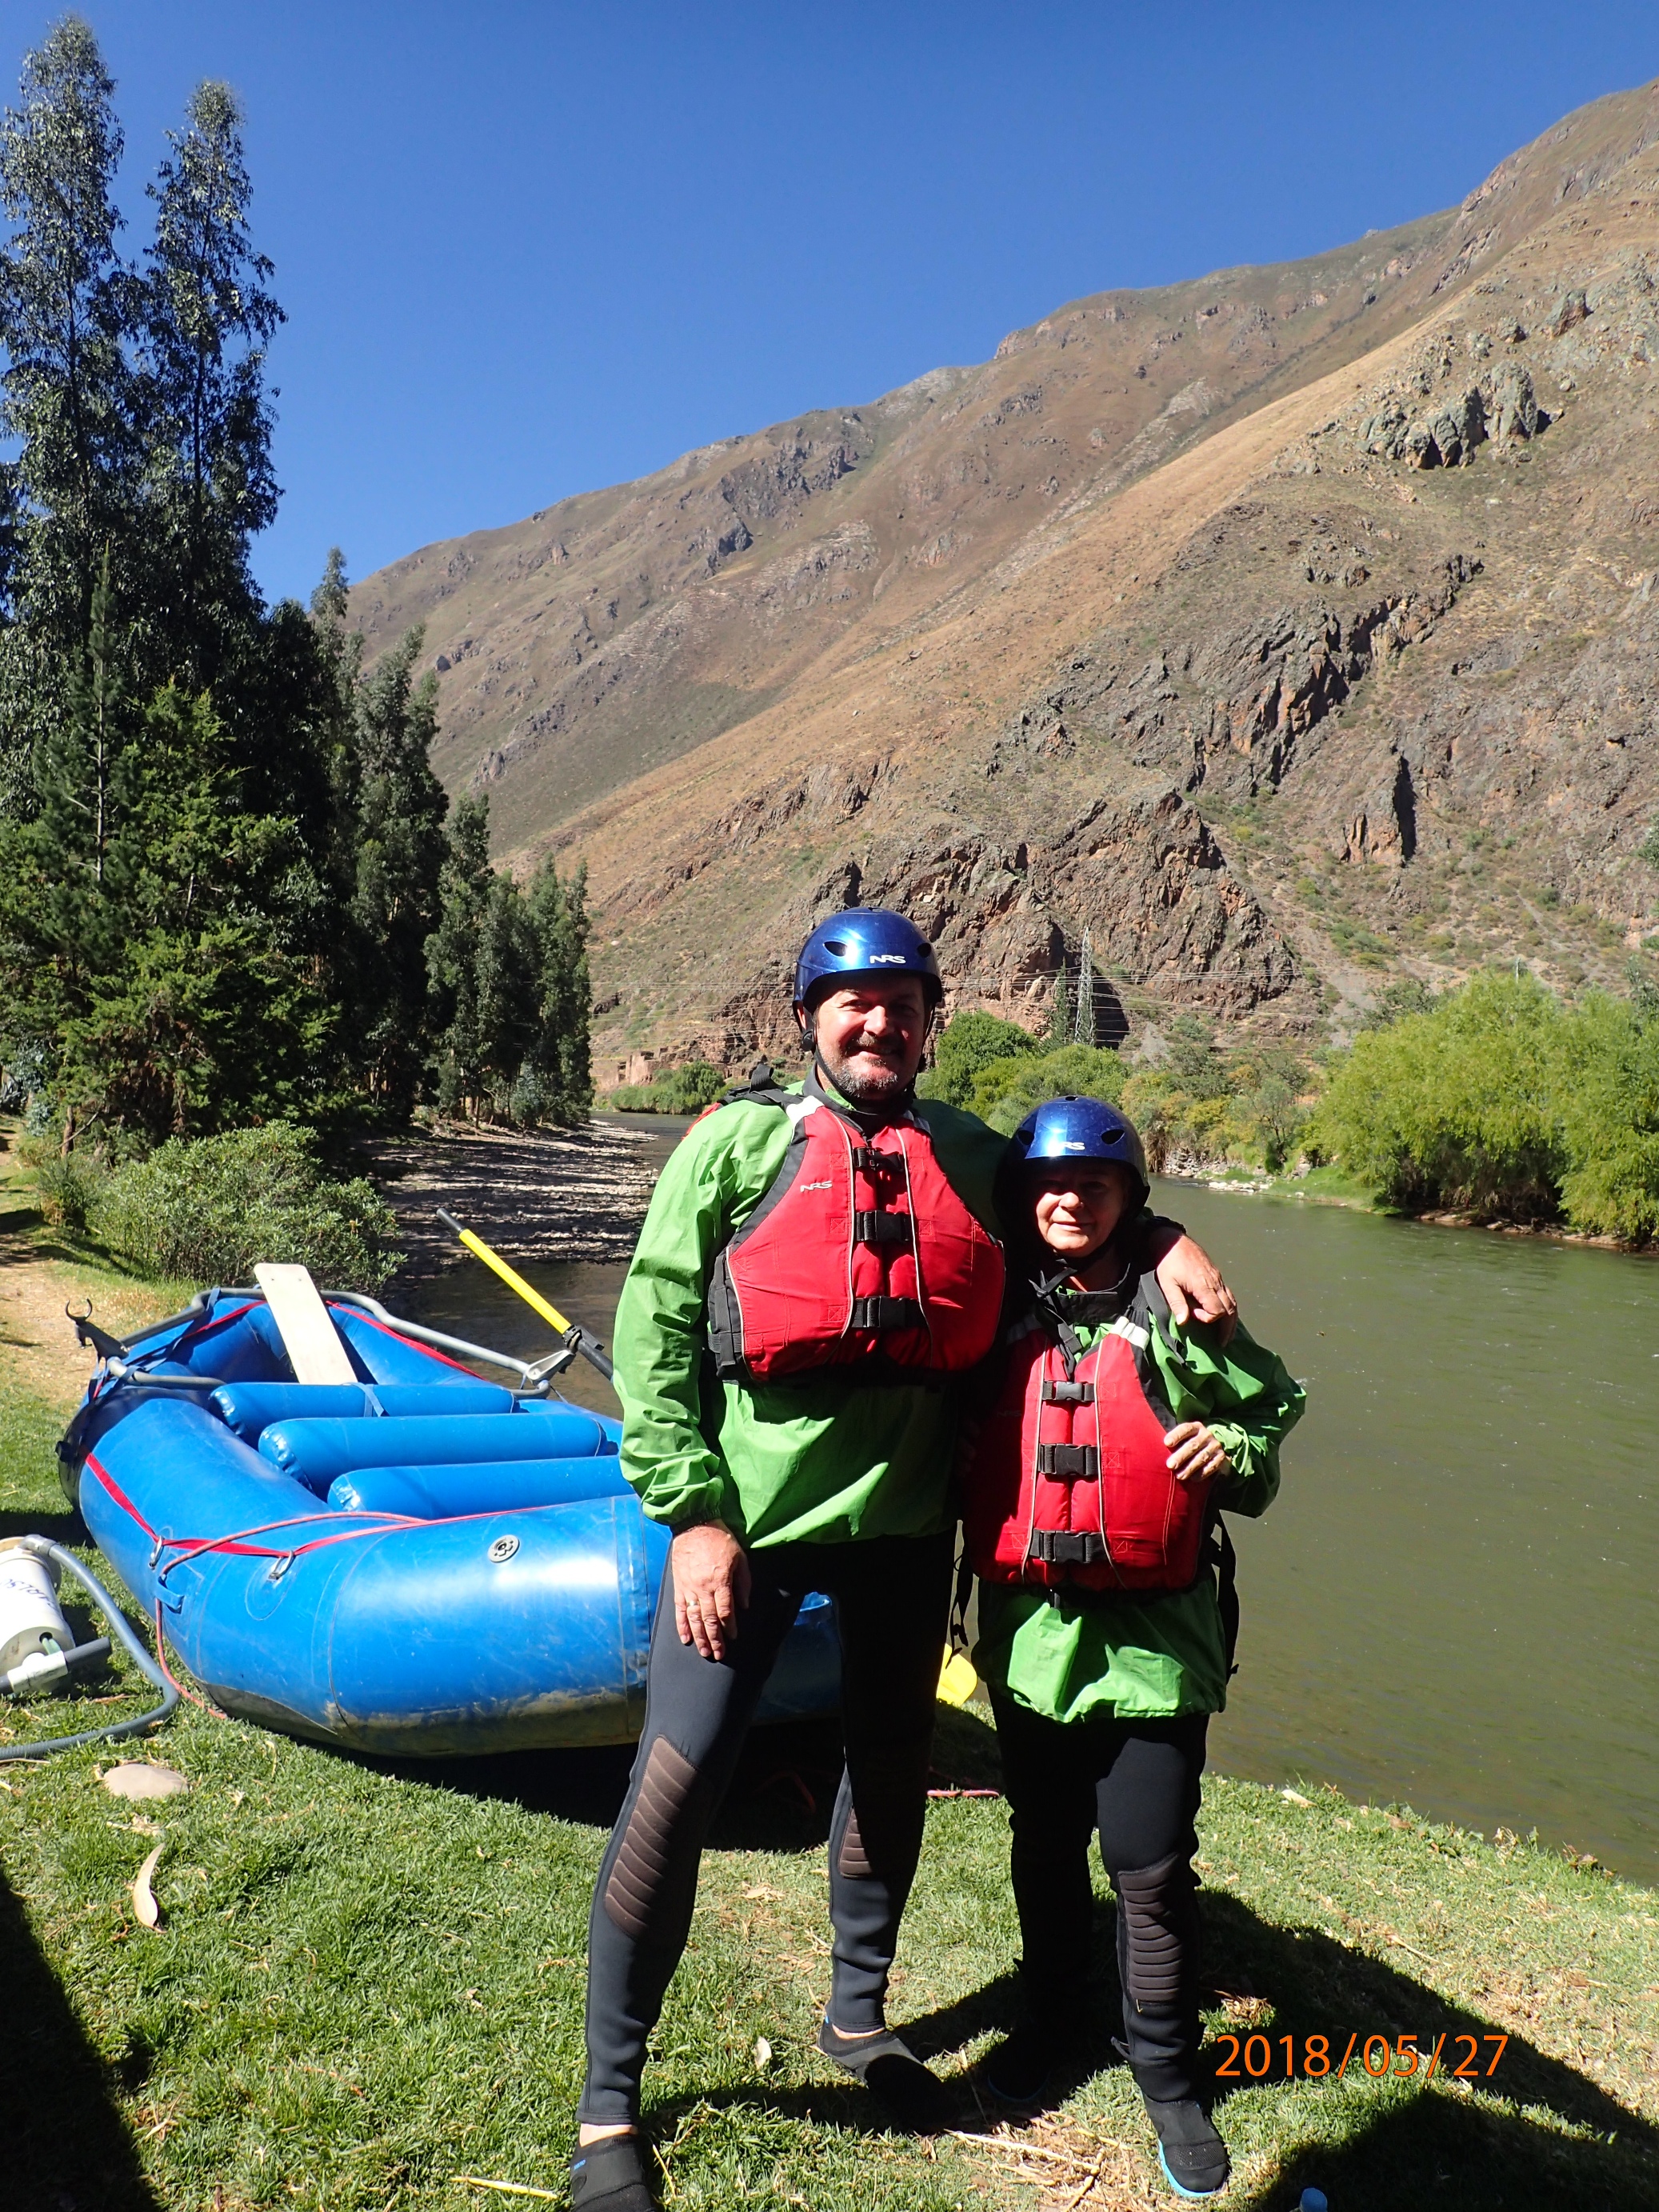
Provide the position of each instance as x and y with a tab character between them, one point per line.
865	940
1080	1129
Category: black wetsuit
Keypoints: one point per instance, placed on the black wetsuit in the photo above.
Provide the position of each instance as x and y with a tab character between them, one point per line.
891	1594
1138	1784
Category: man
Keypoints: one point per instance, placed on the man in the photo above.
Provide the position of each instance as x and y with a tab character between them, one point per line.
816	1269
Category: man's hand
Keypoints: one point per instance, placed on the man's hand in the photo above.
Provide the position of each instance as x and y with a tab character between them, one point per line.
1195	1452
1187	1277
711	1586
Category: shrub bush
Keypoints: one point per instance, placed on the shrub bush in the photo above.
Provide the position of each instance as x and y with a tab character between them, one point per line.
69	1186
685	1090
208	1210
1457	1106
971	1043
1005	1092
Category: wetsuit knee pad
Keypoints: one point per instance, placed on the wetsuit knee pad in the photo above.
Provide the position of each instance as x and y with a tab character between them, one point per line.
1157	1927
653	1875
885	1820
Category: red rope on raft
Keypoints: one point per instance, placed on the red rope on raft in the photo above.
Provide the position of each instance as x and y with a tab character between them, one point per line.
182	1688
427	1351
380	1525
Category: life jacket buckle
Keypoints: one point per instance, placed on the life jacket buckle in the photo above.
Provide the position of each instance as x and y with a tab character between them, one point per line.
882	1228
869	1160
1067	1394
1079	1463
1069	1547
878	1314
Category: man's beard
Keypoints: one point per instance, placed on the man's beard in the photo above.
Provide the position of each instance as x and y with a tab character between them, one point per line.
880	1086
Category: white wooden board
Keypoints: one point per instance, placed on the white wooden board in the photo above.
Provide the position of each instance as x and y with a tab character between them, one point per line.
309	1337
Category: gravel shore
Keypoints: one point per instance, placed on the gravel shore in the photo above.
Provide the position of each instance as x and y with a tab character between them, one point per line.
577	1196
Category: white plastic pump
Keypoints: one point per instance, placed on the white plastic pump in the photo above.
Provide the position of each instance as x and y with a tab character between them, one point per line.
32	1623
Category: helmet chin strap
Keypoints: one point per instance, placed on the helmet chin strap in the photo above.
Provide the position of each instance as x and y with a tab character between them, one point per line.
1081	1267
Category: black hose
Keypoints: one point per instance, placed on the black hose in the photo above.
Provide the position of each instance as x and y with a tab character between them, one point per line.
43	1548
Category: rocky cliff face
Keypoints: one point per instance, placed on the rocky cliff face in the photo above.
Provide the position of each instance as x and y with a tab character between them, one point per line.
1279	631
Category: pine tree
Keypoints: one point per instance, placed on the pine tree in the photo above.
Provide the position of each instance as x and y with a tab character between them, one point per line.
393	810
209	1019
207	317
507	988
147	946
451	956
560	1059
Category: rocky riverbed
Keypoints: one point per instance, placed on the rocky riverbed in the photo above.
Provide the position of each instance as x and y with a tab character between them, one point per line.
577	1196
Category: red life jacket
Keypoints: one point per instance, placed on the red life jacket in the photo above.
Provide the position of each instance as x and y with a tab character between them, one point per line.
860	1252
1067	1481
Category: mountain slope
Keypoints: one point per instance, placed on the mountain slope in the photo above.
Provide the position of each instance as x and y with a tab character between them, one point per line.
1171	623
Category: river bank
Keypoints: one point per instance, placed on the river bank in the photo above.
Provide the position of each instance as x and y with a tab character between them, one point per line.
368	1980
1328	1186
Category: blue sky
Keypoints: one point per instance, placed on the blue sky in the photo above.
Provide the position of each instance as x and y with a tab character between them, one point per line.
527	249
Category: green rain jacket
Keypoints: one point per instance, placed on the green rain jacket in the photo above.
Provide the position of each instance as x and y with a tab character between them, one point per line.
1147	1657
815	1460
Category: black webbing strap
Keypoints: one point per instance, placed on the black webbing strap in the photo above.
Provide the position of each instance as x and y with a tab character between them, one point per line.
964	1590
1067	1394
886	1313
1226	1594
1078	1461
882	1228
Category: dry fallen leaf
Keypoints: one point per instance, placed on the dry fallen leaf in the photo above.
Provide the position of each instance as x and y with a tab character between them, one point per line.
143	1777
763	2054
143	1896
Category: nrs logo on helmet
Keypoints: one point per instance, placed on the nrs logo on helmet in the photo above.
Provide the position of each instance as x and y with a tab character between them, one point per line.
864	940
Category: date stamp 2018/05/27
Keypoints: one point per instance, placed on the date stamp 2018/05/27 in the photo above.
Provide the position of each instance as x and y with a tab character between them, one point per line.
1262	2058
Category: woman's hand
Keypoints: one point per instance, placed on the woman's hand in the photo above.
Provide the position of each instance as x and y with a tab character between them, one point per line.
711	1586
1196	1454
1190	1280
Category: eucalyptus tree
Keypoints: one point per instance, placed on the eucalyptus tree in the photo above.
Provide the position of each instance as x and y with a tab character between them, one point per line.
67	390
207	319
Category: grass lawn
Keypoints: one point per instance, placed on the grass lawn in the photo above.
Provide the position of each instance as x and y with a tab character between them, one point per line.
370	1982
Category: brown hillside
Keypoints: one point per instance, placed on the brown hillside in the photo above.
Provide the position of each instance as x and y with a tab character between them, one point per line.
1279	629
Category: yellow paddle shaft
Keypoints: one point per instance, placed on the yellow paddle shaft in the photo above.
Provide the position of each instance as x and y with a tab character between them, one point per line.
514	1281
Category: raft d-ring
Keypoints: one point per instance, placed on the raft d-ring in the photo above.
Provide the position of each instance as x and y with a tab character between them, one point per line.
280	1567
504	1548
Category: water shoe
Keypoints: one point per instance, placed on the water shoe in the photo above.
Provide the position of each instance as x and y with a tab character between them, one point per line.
1193	2155
916	2101
612	2175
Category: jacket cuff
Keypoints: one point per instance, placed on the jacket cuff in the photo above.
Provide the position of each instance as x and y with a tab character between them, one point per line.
688	1508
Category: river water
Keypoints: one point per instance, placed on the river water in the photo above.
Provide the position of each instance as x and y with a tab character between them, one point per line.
1452	1603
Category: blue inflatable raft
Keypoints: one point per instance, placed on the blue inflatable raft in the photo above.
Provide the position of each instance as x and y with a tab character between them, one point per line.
416	1563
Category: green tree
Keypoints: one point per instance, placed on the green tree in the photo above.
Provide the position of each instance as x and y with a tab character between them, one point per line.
968	1044
1457	1106
451	956
1005	1092
68	400
560	1086
506	967
390	849
1609	1111
154	963
206	319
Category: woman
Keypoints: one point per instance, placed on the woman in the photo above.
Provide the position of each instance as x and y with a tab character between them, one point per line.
1093	1482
